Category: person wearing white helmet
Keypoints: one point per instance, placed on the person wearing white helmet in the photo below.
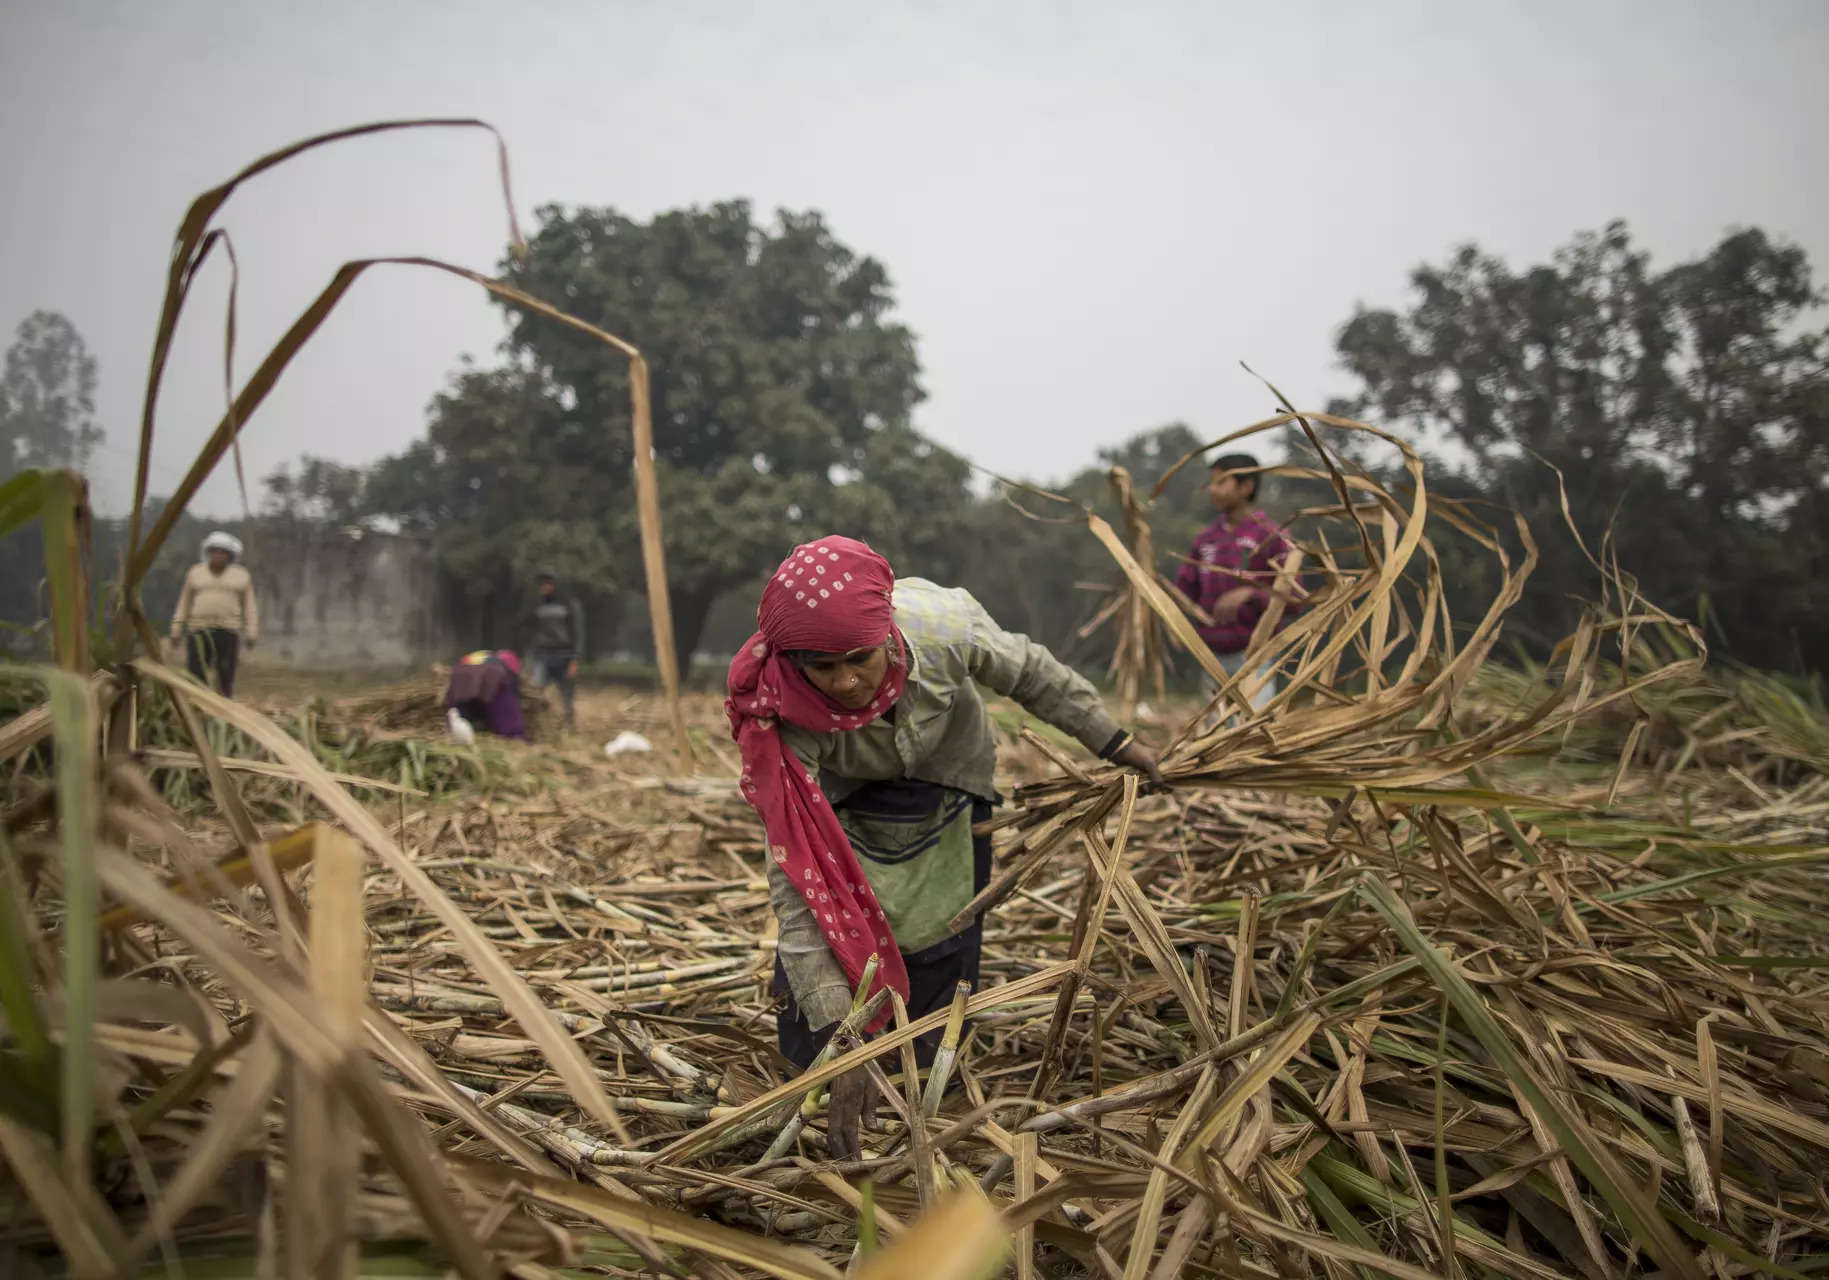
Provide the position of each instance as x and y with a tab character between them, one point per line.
216	612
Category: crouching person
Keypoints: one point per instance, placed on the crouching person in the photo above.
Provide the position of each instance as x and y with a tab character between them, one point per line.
484	691
868	753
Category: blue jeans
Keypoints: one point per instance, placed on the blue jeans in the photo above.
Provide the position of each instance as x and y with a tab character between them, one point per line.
1227	713
555	668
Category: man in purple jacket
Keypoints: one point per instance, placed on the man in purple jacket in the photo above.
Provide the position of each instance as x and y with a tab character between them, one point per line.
1233	567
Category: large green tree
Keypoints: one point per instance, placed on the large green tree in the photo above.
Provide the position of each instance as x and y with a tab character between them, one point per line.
781	398
316	491
47	419
507	484
1687	410
775	364
47	397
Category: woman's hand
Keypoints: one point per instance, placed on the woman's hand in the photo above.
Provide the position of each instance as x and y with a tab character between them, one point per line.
1134	754
853	1101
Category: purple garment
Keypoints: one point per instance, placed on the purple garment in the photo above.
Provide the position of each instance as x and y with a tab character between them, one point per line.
503	716
488	694
476	681
1246	554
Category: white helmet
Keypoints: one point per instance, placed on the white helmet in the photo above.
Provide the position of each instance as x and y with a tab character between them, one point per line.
220	541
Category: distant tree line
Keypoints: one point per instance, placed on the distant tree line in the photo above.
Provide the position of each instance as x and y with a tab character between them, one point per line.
47	419
1686	411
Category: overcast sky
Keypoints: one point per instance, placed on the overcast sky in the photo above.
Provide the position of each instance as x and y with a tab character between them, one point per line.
1090	212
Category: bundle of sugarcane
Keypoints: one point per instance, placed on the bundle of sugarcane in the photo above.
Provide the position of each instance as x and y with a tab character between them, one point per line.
415	709
356	754
1140	650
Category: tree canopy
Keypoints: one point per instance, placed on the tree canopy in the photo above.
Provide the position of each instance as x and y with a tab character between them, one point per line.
781	398
316	491
47	397
47	419
1687	411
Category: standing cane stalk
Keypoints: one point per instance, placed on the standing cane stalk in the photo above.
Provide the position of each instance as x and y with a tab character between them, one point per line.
941	1073
862	1012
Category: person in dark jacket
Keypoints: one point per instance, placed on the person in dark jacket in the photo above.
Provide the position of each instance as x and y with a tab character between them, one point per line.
556	641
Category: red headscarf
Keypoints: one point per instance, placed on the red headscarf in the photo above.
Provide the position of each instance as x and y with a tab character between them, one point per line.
832	595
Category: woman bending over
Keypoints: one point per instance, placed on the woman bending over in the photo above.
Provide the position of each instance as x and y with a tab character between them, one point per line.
868	753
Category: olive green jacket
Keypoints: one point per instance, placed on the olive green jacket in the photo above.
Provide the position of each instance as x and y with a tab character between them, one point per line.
941	733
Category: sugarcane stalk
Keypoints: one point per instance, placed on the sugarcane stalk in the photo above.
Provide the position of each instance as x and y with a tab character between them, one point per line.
941	1072
841	1040
561	1139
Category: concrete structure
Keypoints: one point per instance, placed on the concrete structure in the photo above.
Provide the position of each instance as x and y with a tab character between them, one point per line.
335	597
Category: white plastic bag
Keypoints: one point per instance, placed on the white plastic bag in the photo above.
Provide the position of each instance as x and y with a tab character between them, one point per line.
625	742
460	728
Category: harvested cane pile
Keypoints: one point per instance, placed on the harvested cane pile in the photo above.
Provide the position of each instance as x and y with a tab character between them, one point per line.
1359	990
1283	1068
415	708
1365	988
390	743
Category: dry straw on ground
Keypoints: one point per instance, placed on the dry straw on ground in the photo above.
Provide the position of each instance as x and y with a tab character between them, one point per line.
1430	967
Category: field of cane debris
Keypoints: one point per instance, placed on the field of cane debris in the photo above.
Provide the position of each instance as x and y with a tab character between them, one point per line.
1428	966
1230	1029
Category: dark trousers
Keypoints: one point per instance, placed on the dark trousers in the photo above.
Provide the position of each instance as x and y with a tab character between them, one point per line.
214	649
930	986
556	668
933	974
